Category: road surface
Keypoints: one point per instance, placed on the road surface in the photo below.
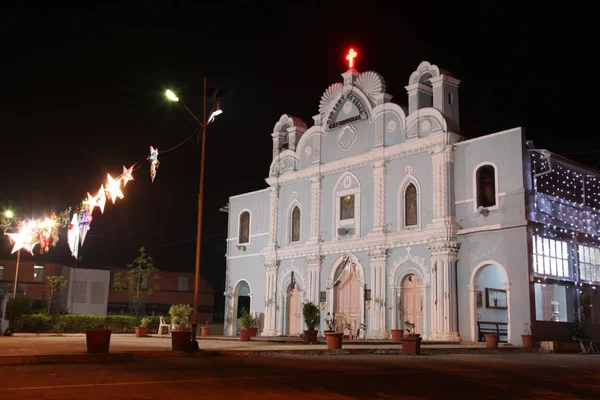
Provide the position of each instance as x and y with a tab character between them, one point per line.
496	376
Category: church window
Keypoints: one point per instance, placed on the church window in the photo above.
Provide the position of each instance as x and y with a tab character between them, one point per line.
295	234
244	230
486	186
347	207
410	205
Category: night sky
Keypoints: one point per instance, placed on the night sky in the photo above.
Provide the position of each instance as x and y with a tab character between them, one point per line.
83	94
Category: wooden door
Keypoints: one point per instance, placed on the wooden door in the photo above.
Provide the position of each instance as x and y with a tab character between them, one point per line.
294	311
412	301
348	300
547	298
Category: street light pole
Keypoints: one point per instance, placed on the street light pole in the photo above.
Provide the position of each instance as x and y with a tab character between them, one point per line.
16	274
203	124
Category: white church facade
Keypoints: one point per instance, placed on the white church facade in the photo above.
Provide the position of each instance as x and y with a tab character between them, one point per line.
383	214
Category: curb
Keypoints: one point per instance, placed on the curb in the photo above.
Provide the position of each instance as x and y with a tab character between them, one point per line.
67	358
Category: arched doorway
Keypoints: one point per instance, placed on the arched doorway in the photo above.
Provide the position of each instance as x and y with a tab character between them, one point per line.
242	299
345	294
294	310
411	297
489	297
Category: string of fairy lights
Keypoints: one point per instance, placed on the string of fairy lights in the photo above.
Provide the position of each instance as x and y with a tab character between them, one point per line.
44	231
567	202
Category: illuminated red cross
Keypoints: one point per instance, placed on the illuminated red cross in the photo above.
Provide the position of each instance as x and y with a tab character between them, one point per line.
350	57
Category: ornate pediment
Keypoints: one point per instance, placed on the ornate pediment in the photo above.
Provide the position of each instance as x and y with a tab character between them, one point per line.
423	127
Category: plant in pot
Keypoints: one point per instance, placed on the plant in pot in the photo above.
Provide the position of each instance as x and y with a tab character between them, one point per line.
136	284
397	334
206	329
334	339
411	342
528	340
254	328
97	340
246	322
181	335
312	317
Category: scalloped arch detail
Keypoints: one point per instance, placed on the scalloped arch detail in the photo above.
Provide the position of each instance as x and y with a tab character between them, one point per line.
423	68
331	94
372	84
289	120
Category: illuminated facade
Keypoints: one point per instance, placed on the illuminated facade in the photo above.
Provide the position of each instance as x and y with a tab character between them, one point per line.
385	214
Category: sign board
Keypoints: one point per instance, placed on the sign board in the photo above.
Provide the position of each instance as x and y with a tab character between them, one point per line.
322	297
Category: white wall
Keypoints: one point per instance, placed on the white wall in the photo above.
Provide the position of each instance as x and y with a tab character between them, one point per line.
87	291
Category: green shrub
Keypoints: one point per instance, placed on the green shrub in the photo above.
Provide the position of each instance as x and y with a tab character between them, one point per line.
76	323
33	323
153	322
17	307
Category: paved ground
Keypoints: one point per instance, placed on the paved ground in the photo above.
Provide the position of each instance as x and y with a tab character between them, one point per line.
22	345
498	376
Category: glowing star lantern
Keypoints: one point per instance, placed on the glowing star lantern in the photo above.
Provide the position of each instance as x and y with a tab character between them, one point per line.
113	188
73	236
100	199
154	163
350	57
46	234
126	176
84	226
24	239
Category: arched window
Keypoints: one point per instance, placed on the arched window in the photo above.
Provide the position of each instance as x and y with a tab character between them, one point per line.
244	233
295	233
410	205
486	186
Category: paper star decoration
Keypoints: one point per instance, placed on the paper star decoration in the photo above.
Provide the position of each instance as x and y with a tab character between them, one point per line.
100	199
91	202
126	176
73	236
22	240
113	187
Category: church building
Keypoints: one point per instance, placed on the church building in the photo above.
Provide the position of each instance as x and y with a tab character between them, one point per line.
384	214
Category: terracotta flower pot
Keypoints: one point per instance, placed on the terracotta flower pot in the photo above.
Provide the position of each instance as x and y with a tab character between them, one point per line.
205	330
245	335
181	339
491	340
528	341
411	345
310	336
334	340
397	335
97	340
141	331
253	331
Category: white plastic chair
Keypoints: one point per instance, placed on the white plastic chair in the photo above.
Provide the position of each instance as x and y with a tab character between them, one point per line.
162	325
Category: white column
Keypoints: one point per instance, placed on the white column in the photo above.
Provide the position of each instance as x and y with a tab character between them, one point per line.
314	267
472	307
315	212
282	305
273	216
377	322
379	197
271	268
444	297
394	313
442	159
507	288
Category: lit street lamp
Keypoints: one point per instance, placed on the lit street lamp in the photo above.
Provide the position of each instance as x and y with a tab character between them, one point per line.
9	214
216	110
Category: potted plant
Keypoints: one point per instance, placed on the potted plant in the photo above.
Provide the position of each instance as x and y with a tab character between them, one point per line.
312	317
246	322
528	340
181	335
254	327
98	340
491	340
411	342
142	330
206	329
334	339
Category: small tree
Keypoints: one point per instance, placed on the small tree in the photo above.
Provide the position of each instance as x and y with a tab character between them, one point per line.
142	269
54	283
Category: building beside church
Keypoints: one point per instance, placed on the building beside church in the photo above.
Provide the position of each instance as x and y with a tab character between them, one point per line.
383	214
